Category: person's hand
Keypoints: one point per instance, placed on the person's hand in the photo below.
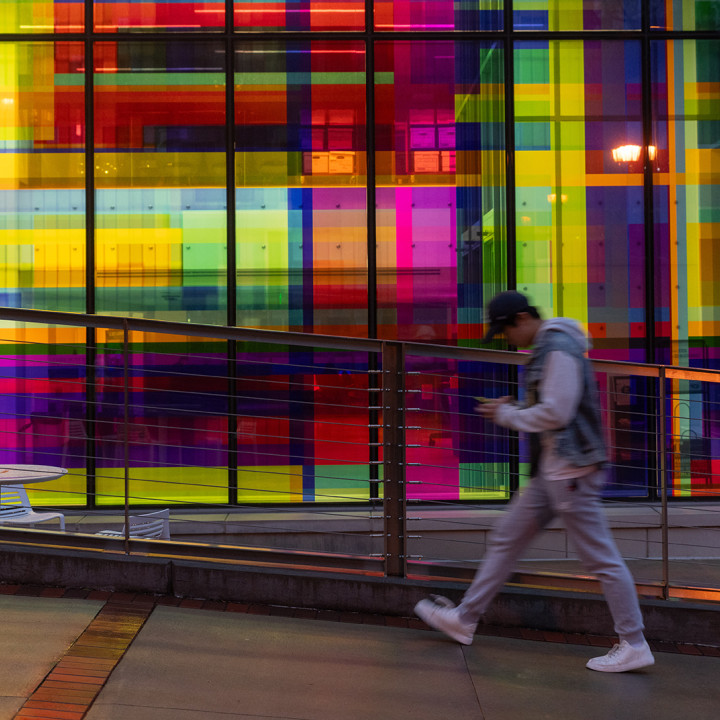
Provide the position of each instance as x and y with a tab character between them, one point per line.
489	409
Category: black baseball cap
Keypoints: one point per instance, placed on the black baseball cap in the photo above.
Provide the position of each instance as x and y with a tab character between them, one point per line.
501	310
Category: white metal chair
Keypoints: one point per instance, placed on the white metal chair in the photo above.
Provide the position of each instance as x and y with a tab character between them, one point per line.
15	508
148	525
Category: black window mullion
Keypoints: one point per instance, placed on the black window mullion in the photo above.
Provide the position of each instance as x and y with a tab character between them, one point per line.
372	269
231	272
90	260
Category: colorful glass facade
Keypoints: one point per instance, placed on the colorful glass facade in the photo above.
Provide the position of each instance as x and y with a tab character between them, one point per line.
364	169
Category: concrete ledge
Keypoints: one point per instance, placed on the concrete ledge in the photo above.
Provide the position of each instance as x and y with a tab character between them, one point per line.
458	533
515	607
84	569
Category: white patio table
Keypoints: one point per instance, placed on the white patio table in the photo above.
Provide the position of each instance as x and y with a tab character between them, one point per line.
24	474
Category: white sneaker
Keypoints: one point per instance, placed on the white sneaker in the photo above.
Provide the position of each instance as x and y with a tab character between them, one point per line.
441	614
623	657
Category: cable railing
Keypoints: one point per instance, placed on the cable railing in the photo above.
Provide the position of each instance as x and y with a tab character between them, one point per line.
656	478
333	452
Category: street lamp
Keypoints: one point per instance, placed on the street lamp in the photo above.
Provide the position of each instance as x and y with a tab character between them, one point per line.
631	153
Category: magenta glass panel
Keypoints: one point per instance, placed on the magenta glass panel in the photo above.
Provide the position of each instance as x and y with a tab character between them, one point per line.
440	187
298	15
438	15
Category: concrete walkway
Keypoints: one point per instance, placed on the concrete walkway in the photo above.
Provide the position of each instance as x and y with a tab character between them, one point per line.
179	662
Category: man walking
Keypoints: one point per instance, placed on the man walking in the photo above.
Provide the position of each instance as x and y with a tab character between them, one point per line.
567	452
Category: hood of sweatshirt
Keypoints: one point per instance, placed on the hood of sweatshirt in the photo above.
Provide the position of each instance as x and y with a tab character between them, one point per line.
570	327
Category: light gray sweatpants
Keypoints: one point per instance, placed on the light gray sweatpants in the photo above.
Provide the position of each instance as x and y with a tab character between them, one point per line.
577	504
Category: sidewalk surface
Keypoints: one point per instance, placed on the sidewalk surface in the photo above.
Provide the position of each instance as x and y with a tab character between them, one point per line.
117	657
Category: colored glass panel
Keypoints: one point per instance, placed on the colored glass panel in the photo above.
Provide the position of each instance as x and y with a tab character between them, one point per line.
441	229
301	216
440	166
42	16
160	180
172	15
685	14
438	15
580	209
298	15
42	254
42	182
301	187
686	180
576	15
160	239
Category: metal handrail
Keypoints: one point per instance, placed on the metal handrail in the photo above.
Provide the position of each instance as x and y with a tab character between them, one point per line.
224	332
392	393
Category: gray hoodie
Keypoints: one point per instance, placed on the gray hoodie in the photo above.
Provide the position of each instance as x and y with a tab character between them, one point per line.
561	410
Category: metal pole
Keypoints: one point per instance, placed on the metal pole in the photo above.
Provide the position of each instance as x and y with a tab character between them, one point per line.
662	468
372	316
393	423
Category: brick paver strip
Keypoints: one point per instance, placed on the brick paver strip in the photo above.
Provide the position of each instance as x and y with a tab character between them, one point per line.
70	688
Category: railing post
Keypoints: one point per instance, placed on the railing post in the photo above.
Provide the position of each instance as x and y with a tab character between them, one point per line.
126	428
662	469
393	424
